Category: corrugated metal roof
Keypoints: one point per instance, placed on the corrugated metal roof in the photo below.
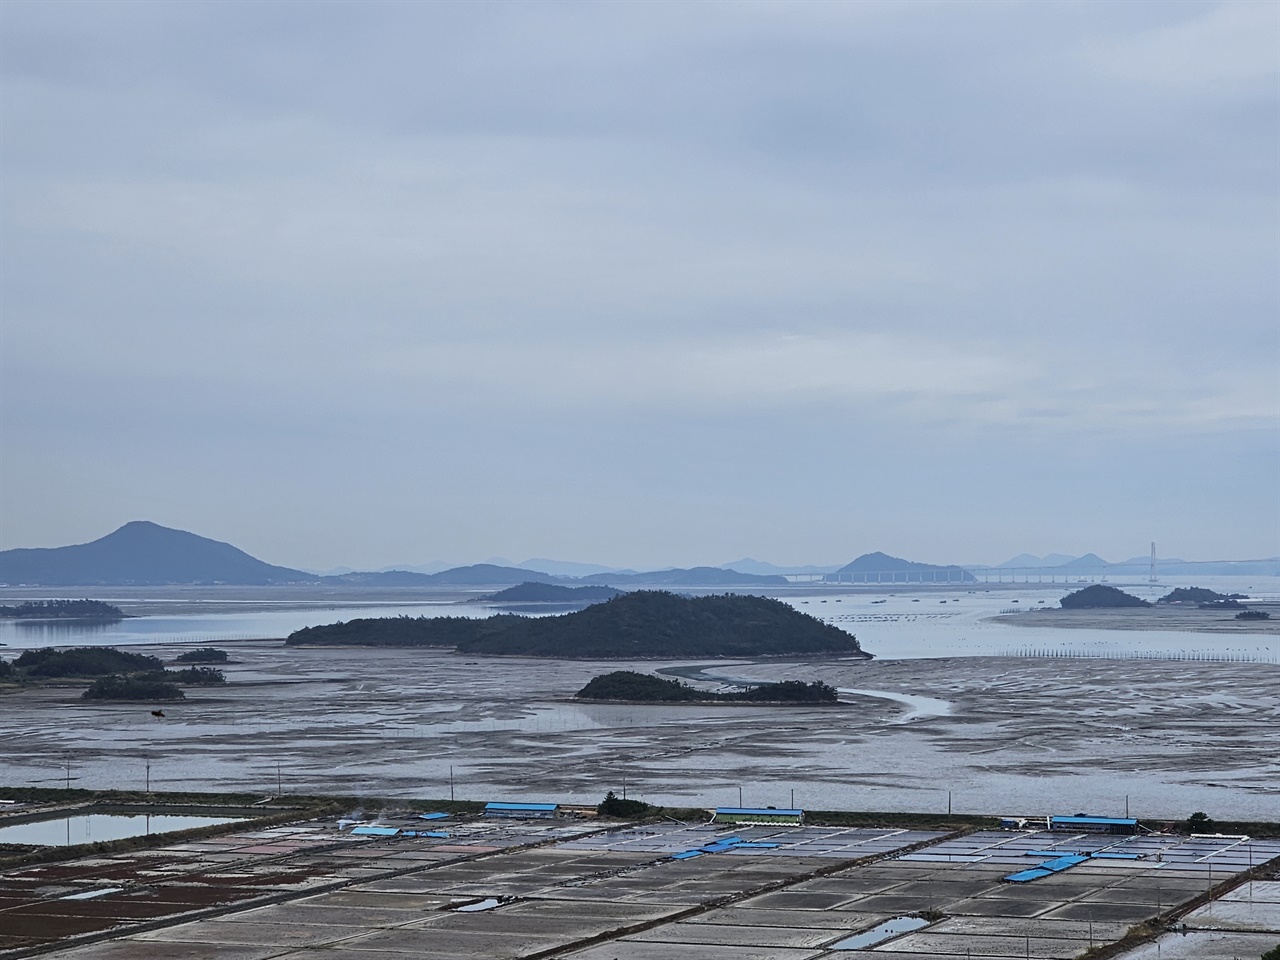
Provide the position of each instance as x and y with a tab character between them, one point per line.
540	807
1062	863
758	811
375	831
432	816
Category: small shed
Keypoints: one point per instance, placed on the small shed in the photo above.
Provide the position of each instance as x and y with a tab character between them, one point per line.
522	811
1081	824
770	815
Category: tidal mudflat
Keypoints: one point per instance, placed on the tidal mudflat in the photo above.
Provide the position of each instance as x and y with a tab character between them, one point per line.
1001	735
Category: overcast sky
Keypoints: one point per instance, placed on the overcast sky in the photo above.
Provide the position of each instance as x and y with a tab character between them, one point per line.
642	284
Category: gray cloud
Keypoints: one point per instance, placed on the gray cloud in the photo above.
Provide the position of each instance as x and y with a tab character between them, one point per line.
536	262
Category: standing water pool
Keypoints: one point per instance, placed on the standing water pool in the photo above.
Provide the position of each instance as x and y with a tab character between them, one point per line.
99	827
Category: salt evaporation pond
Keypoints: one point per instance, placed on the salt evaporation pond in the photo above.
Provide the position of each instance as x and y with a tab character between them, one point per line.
101	827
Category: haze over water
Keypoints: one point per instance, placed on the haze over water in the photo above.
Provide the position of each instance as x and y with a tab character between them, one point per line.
907	624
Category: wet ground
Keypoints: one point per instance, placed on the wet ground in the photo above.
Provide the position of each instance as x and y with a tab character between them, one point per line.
985	734
1186	617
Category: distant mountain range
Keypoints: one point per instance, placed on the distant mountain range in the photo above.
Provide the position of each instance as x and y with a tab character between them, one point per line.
1025	560
141	552
881	568
691	577
763	568
1092	563
145	553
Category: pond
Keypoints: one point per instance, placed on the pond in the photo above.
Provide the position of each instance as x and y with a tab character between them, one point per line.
99	827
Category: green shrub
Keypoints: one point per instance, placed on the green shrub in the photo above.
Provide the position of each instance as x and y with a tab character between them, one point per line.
203	655
614	806
132	688
84	662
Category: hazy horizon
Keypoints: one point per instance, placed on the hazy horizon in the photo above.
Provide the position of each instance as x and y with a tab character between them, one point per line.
642	285
560	565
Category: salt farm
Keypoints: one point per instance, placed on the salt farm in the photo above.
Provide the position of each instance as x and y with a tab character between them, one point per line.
555	884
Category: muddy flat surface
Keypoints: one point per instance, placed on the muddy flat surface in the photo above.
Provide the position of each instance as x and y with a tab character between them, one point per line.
1160	617
1004	735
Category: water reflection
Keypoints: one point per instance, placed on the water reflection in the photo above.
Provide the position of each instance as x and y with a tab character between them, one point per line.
58	630
99	827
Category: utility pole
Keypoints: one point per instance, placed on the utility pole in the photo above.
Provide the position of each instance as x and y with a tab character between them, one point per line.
451	783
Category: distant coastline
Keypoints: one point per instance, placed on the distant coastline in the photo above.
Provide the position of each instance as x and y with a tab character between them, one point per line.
1162	617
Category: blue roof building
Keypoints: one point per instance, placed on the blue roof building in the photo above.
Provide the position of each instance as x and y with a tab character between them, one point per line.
540	811
1083	824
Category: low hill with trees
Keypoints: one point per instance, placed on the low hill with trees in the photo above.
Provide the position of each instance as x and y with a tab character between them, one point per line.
1099	596
132	688
62	610
203	655
645	688
633	625
1198	595
48	663
116	674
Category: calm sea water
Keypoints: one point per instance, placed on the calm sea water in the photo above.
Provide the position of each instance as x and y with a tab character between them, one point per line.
897	623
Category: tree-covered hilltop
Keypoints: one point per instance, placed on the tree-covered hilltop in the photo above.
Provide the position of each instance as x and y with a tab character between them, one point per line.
132	688
117	674
1100	596
203	655
646	688
48	663
402	631
1198	595
635	625
62	610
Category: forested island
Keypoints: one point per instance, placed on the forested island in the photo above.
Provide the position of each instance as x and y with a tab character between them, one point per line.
645	688
62	610
115	674
646	623
1198	595
1099	596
